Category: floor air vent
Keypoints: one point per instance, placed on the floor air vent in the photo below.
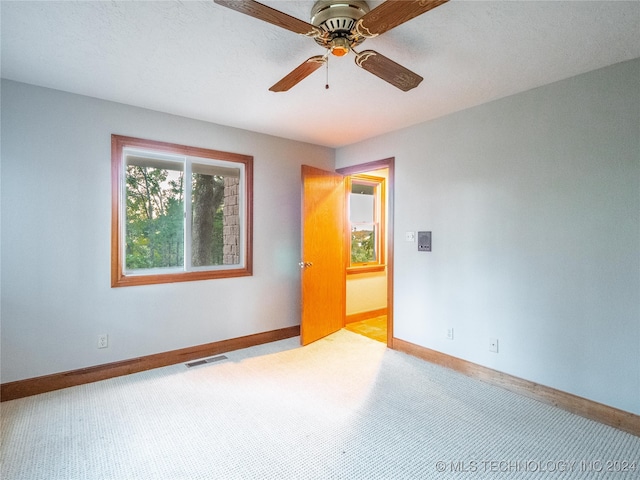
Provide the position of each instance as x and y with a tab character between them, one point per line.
206	360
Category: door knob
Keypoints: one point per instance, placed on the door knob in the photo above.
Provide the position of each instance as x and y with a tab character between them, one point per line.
305	264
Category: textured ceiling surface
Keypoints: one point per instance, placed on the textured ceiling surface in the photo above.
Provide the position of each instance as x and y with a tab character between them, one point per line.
200	60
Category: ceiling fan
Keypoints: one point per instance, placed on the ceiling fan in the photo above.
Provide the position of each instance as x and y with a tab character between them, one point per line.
339	26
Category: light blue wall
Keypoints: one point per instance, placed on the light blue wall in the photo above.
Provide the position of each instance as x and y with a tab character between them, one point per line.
56	218
534	204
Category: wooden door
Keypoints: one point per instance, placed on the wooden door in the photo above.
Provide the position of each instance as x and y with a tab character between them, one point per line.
322	263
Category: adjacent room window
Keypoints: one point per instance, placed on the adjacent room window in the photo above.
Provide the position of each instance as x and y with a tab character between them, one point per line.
179	213
366	220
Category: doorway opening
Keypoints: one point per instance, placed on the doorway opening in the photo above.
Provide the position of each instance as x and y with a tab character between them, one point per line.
369	252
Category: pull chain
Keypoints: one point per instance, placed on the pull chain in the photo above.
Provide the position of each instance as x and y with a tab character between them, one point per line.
327	70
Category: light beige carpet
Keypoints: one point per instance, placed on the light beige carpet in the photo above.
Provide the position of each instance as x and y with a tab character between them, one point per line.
342	408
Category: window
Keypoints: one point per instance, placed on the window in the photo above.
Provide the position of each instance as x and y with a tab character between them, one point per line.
366	221
179	213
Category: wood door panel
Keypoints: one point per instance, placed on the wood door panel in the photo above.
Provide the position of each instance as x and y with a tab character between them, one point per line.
323	280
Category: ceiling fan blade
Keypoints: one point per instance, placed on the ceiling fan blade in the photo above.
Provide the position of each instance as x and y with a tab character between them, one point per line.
392	13
388	70
271	15
299	73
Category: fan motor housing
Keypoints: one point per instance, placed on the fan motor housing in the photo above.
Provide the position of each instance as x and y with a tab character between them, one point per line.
337	18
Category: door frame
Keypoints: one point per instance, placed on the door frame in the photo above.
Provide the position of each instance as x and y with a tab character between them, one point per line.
389	164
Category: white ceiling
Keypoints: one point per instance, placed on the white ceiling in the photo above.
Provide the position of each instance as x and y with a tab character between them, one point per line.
204	61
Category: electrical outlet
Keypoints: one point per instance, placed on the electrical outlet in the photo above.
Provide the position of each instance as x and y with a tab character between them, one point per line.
450	333
493	345
103	341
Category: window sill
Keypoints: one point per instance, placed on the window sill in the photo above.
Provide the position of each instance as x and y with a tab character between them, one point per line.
136	280
366	269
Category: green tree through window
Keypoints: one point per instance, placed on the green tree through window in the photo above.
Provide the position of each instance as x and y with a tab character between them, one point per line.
207	230
154	234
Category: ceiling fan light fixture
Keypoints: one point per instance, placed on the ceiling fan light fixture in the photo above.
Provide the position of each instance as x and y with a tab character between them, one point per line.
340	46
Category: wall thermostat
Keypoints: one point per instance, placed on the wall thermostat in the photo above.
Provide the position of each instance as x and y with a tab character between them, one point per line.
424	241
